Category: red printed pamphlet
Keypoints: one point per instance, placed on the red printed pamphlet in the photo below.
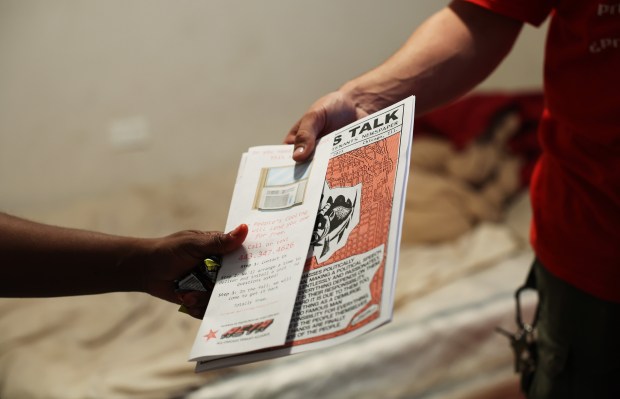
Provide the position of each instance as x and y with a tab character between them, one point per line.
319	264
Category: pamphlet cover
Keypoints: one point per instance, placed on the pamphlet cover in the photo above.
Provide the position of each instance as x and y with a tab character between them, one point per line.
319	264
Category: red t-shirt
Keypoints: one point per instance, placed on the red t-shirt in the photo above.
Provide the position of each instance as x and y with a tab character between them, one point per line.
575	188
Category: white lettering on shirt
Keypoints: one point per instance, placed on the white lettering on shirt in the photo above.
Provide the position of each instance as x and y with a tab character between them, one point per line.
608	9
606	43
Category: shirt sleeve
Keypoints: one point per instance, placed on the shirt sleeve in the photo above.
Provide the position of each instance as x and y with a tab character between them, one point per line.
533	12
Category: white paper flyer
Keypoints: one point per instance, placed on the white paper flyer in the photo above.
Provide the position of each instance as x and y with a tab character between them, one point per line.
319	264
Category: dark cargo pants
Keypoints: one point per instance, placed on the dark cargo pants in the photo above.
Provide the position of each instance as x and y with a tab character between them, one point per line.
578	343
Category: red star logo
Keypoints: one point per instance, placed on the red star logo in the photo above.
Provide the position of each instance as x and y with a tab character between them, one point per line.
211	334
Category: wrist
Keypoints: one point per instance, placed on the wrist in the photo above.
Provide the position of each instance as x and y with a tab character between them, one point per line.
370	94
132	265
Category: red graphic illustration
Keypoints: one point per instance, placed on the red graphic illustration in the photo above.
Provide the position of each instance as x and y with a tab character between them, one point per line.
374	166
247	329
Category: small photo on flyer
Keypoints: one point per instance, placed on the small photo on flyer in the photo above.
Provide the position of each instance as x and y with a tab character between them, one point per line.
282	187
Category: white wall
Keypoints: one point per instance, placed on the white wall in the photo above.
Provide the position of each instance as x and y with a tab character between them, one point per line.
194	82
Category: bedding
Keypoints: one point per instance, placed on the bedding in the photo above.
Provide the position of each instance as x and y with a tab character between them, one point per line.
468	161
449	299
442	345
464	252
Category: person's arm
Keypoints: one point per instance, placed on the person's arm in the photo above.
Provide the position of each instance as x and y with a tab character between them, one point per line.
447	56
38	260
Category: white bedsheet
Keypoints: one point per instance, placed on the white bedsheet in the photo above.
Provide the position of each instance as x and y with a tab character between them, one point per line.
441	343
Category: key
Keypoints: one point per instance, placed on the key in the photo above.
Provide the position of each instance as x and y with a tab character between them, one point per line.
523	346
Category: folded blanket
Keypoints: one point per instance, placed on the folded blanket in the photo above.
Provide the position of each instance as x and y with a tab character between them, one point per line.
468	162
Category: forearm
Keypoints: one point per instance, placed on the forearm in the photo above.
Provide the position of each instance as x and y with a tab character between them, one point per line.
42	260
445	57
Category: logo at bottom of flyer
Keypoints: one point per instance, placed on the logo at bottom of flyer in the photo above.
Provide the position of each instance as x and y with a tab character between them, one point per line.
238	331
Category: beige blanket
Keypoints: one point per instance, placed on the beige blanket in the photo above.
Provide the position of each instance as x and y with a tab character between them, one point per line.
123	345
452	191
129	345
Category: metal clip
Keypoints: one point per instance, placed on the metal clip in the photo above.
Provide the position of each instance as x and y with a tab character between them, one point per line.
523	342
